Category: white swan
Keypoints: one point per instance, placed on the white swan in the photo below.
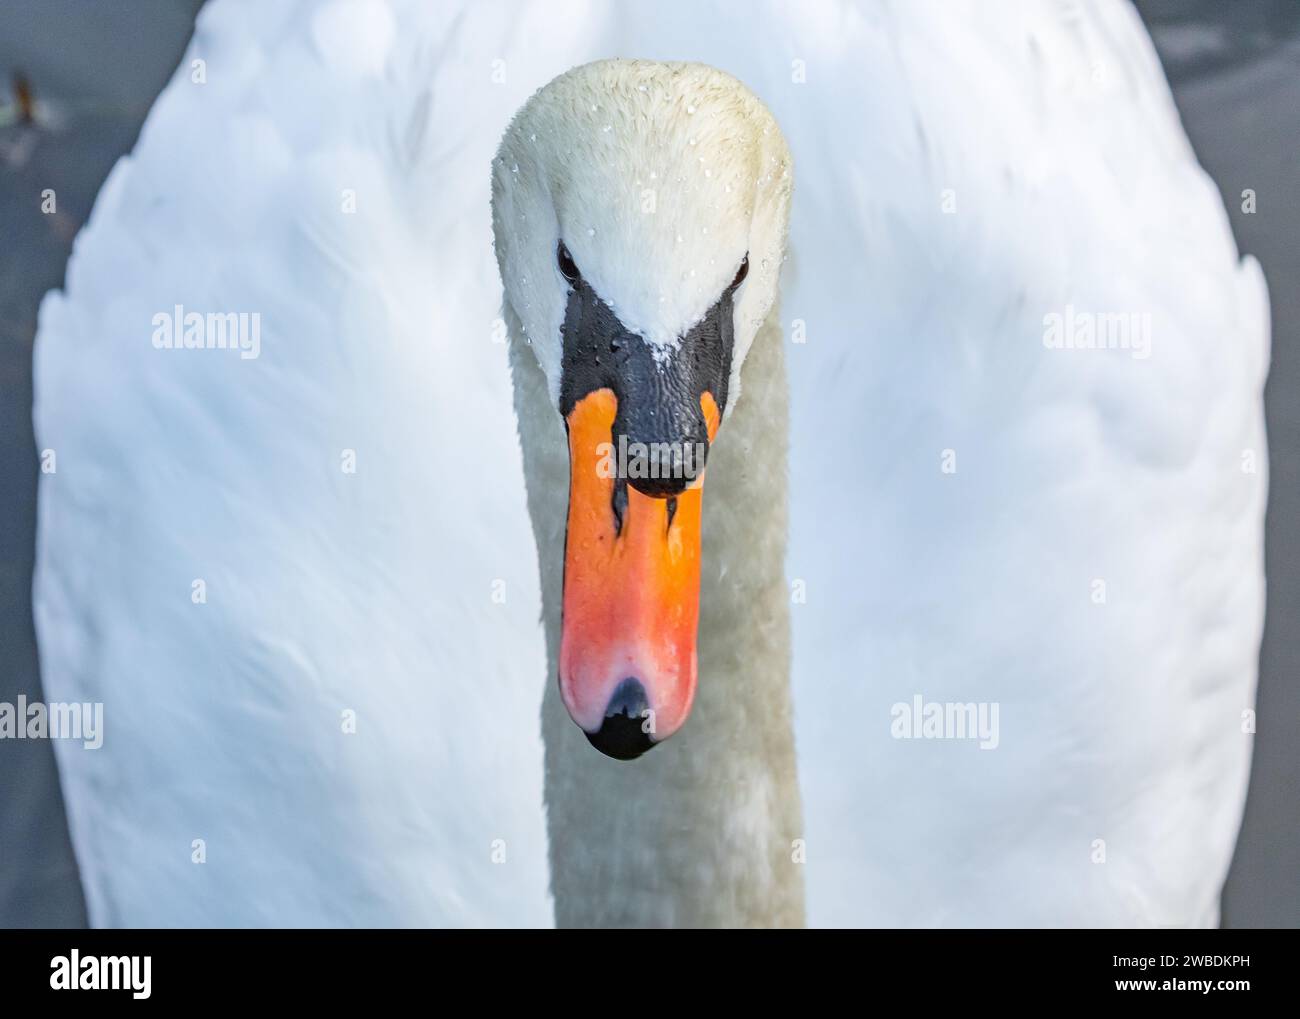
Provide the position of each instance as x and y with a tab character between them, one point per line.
641	212
963	175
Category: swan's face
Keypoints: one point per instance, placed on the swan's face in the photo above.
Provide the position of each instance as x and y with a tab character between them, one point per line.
640	216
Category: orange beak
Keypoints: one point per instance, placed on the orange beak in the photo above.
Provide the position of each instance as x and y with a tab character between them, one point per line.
631	592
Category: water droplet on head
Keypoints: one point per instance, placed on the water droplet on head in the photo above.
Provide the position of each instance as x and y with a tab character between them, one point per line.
591	231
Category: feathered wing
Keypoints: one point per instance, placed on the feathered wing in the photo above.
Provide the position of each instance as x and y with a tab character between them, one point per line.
345	710
1072	536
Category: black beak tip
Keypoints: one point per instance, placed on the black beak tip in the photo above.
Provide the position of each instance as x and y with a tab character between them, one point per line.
622	736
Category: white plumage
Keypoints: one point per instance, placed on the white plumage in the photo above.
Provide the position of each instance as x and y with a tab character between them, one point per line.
961	174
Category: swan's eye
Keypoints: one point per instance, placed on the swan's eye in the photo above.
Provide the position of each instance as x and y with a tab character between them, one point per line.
568	267
741	273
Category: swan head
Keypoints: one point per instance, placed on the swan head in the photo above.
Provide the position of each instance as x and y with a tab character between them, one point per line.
640	213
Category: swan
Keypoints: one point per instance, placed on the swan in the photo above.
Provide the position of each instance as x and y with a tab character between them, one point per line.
305	584
640	214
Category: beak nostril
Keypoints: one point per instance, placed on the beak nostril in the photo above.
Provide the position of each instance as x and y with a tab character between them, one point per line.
623	734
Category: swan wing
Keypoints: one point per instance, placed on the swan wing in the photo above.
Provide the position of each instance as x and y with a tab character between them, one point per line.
1070	537
301	583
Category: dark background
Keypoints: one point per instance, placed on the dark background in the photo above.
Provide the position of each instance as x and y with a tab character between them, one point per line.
1235	72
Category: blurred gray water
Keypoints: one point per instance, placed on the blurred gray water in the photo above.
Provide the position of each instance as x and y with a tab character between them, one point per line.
1235	70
